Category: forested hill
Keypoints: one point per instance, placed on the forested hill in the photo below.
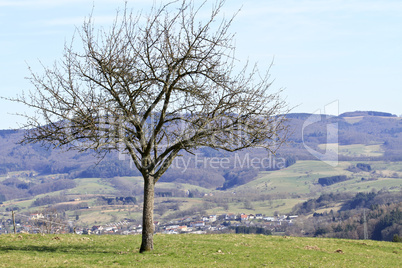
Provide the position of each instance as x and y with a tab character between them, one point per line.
368	113
368	128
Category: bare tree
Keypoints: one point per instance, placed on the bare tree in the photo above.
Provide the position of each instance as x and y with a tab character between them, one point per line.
49	221
152	86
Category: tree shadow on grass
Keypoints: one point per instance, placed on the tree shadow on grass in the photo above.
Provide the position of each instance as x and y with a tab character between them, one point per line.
72	249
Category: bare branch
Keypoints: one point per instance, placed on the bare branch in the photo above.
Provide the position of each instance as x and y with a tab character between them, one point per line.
154	85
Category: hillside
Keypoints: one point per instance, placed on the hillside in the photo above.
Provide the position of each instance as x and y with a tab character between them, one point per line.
195	251
357	130
274	192
88	194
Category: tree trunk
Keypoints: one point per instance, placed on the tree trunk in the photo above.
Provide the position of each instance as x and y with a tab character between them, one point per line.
148	215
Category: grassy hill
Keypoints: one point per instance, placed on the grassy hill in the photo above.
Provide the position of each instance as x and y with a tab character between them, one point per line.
89	190
302	177
195	251
272	191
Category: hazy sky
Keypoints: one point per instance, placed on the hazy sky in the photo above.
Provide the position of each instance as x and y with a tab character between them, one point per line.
348	51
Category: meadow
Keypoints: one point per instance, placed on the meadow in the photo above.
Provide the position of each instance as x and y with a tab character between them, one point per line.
229	250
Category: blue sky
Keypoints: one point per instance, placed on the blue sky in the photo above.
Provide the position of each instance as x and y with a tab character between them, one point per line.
348	51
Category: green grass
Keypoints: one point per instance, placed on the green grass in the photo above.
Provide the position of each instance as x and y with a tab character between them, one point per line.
139	182
92	186
26	203
298	178
283	206
195	251
302	177
356	150
391	166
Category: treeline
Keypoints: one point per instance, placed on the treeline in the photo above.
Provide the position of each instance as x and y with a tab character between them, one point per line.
8	193
349	201
118	200
239	177
389	223
251	230
170	192
16	183
62	208
372	199
14	188
363	167
327	181
324	201
366	113
109	169
383	223
168	205
49	200
51	186
360	167
380	212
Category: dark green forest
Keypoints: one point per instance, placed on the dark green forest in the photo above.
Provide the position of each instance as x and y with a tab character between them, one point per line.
380	212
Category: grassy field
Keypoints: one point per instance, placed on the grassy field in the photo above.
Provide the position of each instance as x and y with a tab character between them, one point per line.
283	206
195	251
356	150
92	186
302	177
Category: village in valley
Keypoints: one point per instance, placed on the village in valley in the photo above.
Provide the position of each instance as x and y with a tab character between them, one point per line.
224	223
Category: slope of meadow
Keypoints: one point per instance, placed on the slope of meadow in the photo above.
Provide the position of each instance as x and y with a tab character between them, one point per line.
195	251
